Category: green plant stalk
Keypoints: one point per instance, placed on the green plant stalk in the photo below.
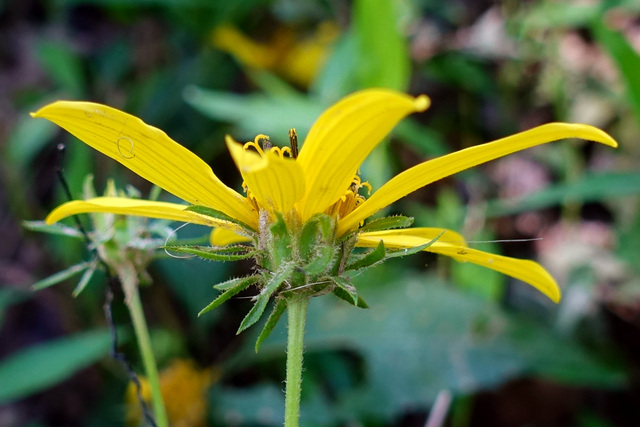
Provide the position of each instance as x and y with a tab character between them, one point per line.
297	314
149	362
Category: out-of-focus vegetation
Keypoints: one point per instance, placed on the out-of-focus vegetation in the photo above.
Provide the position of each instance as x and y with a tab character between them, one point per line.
200	69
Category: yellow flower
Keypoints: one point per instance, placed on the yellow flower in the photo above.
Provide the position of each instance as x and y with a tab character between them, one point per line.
321	179
298	60
183	386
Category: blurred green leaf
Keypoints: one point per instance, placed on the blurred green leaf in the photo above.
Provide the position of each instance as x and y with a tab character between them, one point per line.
255	114
61	276
383	57
461	71
44	365
63	66
591	187
625	57
28	138
420	337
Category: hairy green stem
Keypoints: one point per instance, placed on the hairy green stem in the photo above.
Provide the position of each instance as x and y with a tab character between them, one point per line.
149	362
297	314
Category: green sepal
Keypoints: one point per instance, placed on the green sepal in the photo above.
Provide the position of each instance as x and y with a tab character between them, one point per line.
61	276
278	309
319	264
261	300
387	223
204	210
280	241
372	257
344	295
229	253
57	228
344	285
228	284
414	250
317	230
239	285
84	280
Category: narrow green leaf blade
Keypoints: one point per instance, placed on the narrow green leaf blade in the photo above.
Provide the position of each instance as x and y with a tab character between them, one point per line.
261	302
61	276
387	223
237	288
41	366
372	257
223	286
345	296
414	250
214	254
57	228
278	309
84	280
347	287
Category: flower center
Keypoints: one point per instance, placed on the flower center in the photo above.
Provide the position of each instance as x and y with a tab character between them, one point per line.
346	204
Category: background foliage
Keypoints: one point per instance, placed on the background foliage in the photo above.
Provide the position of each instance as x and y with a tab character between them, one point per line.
508	356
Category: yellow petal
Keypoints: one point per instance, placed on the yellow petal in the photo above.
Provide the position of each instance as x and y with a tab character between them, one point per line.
135	207
276	183
341	139
224	237
528	271
411	237
150	153
433	170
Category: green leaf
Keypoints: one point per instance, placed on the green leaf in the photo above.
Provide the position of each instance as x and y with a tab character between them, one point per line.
625	57
371	257
261	301
213	213
255	113
278	309
422	335
321	262
414	250
383	52
214	254
41	366
348	289
240	285
387	223
233	282
591	187
317	230
280	241
63	66
84	280
345	296
61	276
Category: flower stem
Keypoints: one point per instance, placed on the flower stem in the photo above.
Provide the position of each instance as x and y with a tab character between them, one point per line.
149	362
297	314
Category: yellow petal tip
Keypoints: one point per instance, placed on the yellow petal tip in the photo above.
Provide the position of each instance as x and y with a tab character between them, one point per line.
421	103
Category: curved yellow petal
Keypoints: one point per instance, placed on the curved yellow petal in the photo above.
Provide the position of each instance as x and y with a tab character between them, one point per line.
411	237
341	139
433	170
276	183
135	207
150	153
528	271
224	237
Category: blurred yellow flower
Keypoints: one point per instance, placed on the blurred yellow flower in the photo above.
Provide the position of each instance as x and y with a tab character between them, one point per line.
285	53
184	391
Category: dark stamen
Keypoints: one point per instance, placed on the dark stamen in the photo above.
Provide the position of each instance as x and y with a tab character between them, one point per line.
293	140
